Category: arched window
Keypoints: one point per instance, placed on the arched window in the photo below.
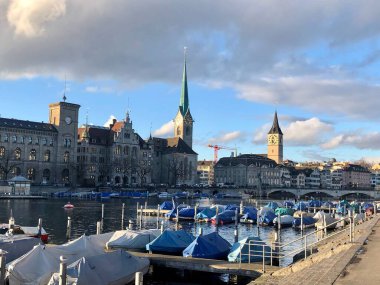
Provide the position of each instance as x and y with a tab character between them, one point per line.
178	131
47	155
134	152
31	174
67	142
17	153
118	149
14	138
16	171
44	141
66	157
65	175
32	154
2	152
22	139
126	150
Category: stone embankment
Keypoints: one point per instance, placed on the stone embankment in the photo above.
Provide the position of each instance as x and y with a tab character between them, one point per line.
330	264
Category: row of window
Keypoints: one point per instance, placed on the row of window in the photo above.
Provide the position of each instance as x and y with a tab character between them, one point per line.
28	140
32	154
31	174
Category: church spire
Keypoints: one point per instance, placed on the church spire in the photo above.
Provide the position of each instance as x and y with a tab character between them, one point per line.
86	134
275	127
184	101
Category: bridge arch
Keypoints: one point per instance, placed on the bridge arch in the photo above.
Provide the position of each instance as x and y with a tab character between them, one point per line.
317	194
281	194
357	195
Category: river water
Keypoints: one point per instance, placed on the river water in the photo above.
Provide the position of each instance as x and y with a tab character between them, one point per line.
87	212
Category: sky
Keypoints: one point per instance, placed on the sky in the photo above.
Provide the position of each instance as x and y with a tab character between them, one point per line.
315	62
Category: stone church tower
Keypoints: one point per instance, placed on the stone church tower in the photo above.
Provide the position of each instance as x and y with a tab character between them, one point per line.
183	122
275	142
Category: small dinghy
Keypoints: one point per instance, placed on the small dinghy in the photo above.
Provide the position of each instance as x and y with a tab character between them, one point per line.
226	217
68	206
170	242
132	240
307	222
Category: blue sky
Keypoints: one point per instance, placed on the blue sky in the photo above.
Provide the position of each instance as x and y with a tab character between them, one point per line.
316	62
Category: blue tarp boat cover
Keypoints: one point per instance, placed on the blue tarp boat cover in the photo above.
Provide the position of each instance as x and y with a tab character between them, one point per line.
367	206
172	242
256	254
273	205
301	206
267	218
307	221
228	216
211	246
232	207
248	209
173	213
186	213
167	205
249	213
207	213
315	203
288	204
328	204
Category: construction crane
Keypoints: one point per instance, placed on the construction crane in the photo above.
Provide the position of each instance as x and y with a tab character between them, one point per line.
219	147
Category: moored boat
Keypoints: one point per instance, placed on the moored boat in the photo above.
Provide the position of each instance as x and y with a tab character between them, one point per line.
68	205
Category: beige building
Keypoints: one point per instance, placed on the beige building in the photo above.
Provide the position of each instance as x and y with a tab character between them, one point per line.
205	172
275	142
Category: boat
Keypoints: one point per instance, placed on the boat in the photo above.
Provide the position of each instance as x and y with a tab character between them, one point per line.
240	251
111	268
226	217
298	214
164	195
173	213
267	218
300	206
35	233
264	210
286	221
274	205
68	206
37	265
288	204
186	213
206	214
249	215
315	204
211	246
131	239
170	242
323	220
166	205
284	211
17	245
308	222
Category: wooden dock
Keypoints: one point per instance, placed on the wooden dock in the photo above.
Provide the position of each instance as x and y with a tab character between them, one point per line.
6	197
152	212
252	270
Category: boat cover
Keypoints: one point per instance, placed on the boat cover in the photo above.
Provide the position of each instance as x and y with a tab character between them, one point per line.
207	213
273	205
186	213
166	205
37	266
17	245
267	218
263	210
301	206
250	215
328	204
285	220
129	239
284	211
288	204
228	216
315	203
240	250
211	246
169	241
116	268
307	221
249	209
232	207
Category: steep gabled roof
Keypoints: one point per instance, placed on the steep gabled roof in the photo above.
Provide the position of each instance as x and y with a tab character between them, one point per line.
275	127
246	159
177	145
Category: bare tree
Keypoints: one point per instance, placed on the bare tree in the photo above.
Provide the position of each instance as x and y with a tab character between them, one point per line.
176	169
7	164
142	169
364	163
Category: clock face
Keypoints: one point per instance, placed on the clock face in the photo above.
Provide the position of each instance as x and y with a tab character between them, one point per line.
68	120
272	139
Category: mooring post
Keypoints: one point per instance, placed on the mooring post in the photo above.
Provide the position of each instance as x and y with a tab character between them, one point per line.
130	224
301	224
195	213
201	231
162	226
39	227
241	207
146	205
137	210
68	229
122	216
217	218
62	270
236	232
3	262
102	225
325	225
141	216
139	278
98	228
279	222
350	217
158	216
258	227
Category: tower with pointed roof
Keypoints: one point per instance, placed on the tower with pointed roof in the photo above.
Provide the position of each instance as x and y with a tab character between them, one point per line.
275	142
183	122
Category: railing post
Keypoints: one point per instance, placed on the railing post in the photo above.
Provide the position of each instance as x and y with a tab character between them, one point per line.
177	220
98	228
102	216
249	252
305	245
271	254
141	216
139	278
130	225
39	227
301	224
62	270
325	225
195	213
137	210
350	218
263	257
241	207
2	266
257	222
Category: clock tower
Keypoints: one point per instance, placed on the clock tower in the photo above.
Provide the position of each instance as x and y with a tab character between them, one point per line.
183	121
275	142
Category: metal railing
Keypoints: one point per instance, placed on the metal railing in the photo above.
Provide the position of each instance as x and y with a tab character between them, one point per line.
276	250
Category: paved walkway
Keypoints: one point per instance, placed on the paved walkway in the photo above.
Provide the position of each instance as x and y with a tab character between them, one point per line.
364	268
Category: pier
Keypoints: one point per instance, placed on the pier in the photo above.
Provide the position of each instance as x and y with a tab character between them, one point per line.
252	270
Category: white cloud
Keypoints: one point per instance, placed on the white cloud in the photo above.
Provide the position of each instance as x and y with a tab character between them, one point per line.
97	89
109	121
358	140
298	133
165	130
227	137
30	18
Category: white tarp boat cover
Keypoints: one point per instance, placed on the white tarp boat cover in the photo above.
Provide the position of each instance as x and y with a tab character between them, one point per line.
116	268
17	245
37	266
129	239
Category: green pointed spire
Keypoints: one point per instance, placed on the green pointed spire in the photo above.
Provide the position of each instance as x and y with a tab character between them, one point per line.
184	101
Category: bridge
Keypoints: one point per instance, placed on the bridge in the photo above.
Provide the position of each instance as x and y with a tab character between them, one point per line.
333	193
